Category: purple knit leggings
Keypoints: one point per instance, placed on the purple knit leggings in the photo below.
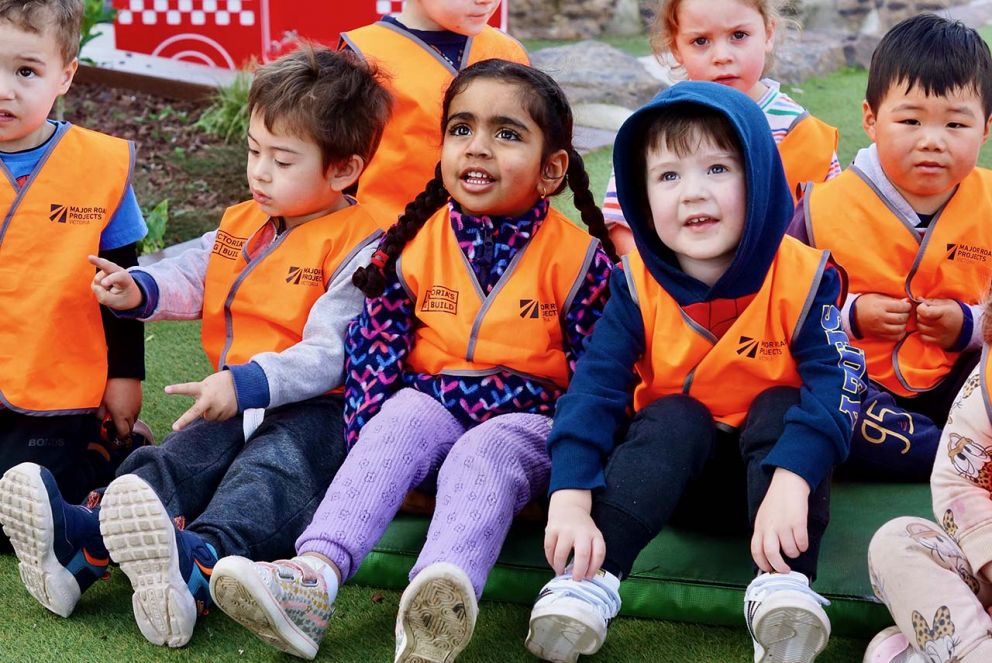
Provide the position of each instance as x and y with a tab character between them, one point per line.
484	477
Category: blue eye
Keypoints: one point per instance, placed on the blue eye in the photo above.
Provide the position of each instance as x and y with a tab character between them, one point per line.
719	169
668	176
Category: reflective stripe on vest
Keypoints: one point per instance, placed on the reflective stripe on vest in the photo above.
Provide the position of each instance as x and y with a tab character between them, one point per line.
681	357
263	305
807	151
53	355
883	253
411	144
518	327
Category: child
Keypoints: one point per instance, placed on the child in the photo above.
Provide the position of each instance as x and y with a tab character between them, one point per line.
937	579
422	48
730	42
273	287
480	307
910	222
65	192
713	295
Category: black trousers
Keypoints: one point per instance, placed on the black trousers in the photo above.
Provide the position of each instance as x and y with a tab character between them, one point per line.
676	467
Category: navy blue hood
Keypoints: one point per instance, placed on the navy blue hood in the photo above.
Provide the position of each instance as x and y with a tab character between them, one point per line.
769	203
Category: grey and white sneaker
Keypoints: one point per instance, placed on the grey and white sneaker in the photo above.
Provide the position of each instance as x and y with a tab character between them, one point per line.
785	618
437	616
891	646
570	618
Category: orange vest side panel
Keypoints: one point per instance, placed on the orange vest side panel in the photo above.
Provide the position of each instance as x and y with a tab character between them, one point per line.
262	306
753	355
883	254
411	143
518	327
807	151
53	356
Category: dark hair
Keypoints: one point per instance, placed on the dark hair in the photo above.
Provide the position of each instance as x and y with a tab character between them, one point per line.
680	128
334	98
935	53
63	16
549	109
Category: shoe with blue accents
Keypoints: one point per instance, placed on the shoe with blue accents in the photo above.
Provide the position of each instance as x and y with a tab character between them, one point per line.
59	549
169	568
785	618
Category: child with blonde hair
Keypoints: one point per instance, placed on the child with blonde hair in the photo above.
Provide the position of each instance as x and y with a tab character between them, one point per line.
730	42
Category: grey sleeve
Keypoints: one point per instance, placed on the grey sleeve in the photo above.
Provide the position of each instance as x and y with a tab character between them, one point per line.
315	365
179	281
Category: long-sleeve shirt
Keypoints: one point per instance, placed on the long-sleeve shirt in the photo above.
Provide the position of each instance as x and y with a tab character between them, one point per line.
173	290
381	338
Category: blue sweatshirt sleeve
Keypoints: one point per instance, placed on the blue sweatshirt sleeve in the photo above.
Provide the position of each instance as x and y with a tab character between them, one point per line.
588	416
818	430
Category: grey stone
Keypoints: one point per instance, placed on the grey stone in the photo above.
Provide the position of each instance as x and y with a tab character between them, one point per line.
594	72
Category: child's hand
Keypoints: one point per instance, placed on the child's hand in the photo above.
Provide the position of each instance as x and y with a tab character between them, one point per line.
571	527
881	316
122	401
780	525
216	399
939	321
113	286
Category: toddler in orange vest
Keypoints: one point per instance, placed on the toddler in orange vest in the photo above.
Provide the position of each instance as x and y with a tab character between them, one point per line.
481	299
911	223
724	338
246	465
422	49
66	364
730	42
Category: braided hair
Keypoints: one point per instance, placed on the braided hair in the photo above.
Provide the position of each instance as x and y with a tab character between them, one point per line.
548	107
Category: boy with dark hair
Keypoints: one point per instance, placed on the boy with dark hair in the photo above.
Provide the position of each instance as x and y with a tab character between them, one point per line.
65	193
712	295
250	460
911	223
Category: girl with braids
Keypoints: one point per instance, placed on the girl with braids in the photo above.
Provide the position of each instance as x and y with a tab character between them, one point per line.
481	298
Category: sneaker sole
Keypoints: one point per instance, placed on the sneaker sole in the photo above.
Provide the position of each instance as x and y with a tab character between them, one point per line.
240	593
791	634
28	522
140	537
434	614
560	638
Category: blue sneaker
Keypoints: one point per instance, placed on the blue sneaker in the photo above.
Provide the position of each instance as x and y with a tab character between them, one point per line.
58	545
169	568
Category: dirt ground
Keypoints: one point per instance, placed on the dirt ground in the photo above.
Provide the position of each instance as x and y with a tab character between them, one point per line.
200	175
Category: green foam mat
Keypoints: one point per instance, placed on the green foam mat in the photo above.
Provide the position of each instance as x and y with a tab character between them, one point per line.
688	576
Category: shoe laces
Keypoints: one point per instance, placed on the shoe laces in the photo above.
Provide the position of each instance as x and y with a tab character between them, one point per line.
593	591
768	583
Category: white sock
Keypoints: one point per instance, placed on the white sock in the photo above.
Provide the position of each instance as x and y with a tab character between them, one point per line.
322	567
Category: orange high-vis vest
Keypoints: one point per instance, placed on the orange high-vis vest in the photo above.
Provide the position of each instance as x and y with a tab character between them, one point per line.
411	144
985	379
518	326
883	253
263	305
53	355
807	152
725	374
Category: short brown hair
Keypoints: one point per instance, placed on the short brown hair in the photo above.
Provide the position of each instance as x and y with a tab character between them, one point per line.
666	21
334	98
63	17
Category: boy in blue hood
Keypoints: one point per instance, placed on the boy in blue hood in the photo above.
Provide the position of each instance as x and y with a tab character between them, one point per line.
724	339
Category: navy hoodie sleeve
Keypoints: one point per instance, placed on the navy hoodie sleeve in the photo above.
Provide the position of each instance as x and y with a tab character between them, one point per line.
588	416
818	430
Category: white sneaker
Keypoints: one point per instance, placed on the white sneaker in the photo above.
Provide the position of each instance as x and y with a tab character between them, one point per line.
785	618
891	646
570	618
437	615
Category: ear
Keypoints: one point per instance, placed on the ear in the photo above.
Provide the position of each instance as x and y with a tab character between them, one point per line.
868	120
770	36
342	175
67	74
985	136
554	170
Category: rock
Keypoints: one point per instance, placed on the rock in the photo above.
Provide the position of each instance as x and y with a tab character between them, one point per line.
560	19
626	18
801	55
600	116
859	48
594	72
